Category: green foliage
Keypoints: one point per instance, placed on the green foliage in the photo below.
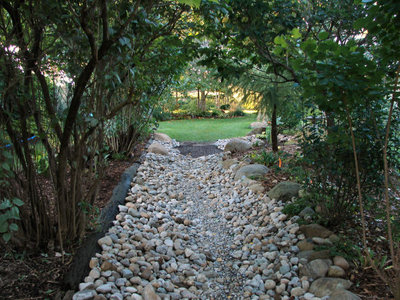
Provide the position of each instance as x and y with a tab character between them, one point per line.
265	158
9	214
294	208
238	113
160	115
92	213
332	162
344	247
225	106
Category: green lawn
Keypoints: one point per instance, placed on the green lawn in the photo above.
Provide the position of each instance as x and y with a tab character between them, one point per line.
207	130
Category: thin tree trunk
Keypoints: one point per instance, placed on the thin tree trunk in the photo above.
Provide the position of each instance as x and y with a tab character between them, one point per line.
274	130
203	101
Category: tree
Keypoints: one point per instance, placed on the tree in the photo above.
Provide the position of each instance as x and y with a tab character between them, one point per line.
107	55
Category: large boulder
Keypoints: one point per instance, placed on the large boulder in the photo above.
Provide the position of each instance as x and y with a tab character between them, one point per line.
157	148
237	145
284	191
251	171
258	125
327	286
162	137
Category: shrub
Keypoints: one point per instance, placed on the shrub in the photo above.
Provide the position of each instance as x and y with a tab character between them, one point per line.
295	208
160	115
225	106
238	113
333	173
217	113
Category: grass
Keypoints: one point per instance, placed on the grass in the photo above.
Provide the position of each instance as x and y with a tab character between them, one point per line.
207	130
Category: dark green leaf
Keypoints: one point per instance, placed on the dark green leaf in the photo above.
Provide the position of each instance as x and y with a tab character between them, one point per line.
323	35
18	202
7	237
3	227
13	227
5	204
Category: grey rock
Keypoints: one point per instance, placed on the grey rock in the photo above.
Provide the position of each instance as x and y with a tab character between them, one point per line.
341	262
326	286
336	271
149	293
117	296
127	273
84	295
314	269
104	288
308	211
105	241
343	295
315	230
157	148
226	164
237	145
251	171
162	137
86	286
284	191
305	245
297	292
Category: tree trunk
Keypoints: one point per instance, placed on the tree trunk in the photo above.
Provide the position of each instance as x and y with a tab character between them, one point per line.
203	101
330	121
274	130
198	99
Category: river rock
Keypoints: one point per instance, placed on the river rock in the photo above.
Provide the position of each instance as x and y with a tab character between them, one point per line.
162	137
105	241
237	145
226	164
284	191
251	171
157	148
308	211
341	262
149	293
314	269
305	245
343	295
315	230
326	286
84	295
336	271
257	188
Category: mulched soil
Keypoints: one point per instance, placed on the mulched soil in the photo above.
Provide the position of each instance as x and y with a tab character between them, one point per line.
198	149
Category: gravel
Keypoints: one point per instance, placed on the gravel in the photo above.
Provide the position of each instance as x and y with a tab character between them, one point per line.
188	230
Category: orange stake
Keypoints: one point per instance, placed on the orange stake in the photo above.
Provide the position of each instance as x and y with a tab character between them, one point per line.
280	163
